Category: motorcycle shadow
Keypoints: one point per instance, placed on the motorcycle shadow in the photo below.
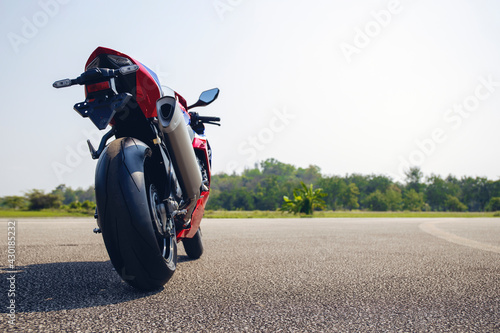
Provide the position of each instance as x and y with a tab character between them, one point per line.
183	258
66	286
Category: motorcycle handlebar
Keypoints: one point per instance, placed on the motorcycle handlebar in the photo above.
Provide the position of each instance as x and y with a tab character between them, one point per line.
95	75
208	119
197	119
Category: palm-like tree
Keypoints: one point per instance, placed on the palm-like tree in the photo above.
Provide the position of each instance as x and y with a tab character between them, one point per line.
305	200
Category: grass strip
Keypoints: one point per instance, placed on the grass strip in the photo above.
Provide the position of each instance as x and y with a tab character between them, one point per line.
257	214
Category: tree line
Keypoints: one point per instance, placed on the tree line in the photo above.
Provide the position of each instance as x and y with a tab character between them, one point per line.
62	197
264	186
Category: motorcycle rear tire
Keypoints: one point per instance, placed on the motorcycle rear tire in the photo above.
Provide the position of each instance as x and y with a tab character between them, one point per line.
125	217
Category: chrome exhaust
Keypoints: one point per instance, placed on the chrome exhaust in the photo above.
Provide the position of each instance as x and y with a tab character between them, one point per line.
179	143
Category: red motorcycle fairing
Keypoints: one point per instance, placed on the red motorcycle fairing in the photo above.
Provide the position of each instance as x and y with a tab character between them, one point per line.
201	149
147	92
148	89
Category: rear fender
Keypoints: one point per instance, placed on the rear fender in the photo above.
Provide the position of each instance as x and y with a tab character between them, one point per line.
131	153
123	173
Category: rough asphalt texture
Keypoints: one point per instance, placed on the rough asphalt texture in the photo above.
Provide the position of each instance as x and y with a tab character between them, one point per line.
290	275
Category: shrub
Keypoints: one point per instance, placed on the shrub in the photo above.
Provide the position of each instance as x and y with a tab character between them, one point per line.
413	201
453	204
14	202
377	201
493	205
305	200
39	200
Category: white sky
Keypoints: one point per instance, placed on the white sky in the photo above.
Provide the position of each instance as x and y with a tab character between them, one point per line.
288	90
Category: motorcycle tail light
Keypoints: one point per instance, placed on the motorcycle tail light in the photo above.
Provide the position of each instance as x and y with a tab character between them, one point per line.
119	61
98	86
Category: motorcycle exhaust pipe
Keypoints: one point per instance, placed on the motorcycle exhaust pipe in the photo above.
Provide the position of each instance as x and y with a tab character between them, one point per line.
179	143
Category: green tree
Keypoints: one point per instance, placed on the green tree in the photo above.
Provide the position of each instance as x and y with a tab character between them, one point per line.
89	205
39	200
66	194
394	198
454	205
268	193
350	197
273	167
414	178
85	194
378	182
362	183
334	187
377	201
305	200
75	205
493	205
494	188
413	201
14	202
437	192
310	175
453	186
475	193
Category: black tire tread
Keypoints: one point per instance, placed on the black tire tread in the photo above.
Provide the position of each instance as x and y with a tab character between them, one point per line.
125	221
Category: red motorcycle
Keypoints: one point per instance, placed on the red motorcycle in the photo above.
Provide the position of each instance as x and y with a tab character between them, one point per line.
153	181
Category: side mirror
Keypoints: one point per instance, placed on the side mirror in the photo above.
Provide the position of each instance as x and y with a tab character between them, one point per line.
206	98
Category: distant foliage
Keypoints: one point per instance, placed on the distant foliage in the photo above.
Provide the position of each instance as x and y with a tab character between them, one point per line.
37	200
68	195
261	187
264	186
453	204
14	202
413	201
62	197
494	205
86	207
377	201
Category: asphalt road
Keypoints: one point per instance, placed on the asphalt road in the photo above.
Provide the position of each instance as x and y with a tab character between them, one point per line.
290	275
